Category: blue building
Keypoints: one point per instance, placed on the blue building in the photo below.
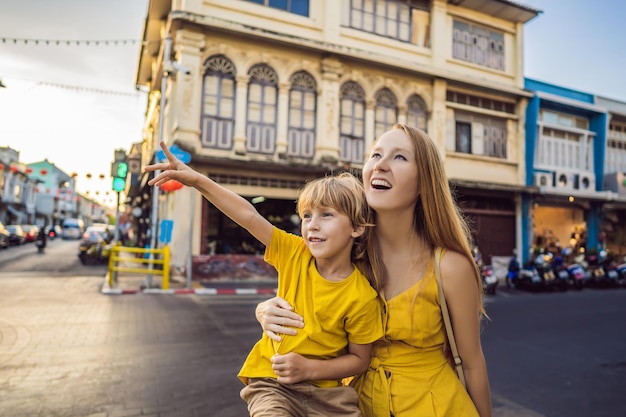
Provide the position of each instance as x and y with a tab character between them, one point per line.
566	137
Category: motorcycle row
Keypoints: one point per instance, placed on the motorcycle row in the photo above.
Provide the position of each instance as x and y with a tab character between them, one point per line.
547	271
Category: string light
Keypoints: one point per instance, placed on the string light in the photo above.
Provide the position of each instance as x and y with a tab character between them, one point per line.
90	90
70	42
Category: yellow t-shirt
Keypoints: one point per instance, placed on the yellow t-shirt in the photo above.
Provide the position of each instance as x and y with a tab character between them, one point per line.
334	312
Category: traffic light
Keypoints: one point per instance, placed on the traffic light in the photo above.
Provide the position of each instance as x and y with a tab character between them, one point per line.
119	170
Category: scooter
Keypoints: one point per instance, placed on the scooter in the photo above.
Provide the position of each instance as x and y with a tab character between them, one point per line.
543	264
596	275
561	281
577	276
621	275
41	244
610	268
490	281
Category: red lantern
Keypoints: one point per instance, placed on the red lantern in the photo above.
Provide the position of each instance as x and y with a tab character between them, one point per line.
29	170
171	185
1	167
43	171
13	169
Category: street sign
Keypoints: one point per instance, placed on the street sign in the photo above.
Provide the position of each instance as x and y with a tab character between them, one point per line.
185	157
166	231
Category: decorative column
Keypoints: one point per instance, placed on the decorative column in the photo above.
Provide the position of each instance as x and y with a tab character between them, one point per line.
438	129
327	129
370	108
240	114
185	98
282	119
402	114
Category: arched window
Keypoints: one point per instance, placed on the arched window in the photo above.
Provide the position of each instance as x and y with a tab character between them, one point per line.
218	103
386	114
262	109
352	123
302	115
417	112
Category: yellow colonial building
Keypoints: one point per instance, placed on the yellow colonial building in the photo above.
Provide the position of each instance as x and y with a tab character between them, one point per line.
265	95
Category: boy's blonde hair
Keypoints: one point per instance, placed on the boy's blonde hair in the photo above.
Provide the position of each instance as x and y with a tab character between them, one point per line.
344	193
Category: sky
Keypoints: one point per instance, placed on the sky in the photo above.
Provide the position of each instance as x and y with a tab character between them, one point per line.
75	104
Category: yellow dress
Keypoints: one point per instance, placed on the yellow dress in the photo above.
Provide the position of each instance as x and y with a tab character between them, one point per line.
409	375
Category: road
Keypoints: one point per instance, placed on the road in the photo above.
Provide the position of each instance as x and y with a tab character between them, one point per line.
66	349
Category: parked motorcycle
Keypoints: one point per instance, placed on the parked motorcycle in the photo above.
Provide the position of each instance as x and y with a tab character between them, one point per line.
621	275
577	276
529	278
561	275
95	247
487	275
489	279
609	263
543	264
596	275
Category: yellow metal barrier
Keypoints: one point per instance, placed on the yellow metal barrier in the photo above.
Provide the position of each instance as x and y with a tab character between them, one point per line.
145	265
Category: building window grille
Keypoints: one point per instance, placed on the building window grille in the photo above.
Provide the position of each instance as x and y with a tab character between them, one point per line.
352	123
386	113
417	112
262	109
480	135
302	115
403	20
478	45
218	103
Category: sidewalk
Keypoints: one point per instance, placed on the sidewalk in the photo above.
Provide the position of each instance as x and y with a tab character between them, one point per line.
133	283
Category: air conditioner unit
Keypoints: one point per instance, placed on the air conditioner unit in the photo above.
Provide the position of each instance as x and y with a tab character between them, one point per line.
564	180
543	179
585	182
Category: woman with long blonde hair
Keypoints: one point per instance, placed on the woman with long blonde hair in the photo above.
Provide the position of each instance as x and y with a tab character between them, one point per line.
409	374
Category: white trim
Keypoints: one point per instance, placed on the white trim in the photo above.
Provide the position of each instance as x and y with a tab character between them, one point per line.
570	102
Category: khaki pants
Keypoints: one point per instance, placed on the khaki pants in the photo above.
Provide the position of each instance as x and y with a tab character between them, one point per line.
267	398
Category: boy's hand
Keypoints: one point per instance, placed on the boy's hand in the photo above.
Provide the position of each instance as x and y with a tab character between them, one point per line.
172	169
291	368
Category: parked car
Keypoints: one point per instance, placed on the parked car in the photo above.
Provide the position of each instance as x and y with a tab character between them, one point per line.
4	236
31	232
73	228
17	236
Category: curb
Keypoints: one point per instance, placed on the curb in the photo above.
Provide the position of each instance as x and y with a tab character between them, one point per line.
197	291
